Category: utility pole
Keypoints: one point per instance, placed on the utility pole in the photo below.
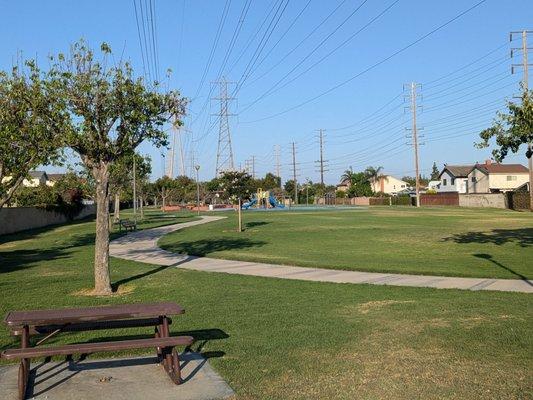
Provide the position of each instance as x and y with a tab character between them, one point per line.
321	161
170	170
197	168
294	173
525	88
414	134
134	189
277	151
224	149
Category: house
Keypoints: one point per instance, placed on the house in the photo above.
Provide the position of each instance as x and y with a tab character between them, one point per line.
343	186
53	178
433	185
454	178
388	184
491	177
36	178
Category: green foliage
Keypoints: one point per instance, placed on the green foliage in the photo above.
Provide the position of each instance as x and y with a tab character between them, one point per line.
360	185
270	181
33	120
113	112
434	172
340	194
512	129
65	196
237	185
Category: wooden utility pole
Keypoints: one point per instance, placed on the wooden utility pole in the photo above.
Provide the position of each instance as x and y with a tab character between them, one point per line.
294	173
321	161
277	151
413	95
525	71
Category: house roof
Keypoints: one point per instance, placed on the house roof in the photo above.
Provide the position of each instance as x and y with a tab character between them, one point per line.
458	171
55	177
37	174
496	168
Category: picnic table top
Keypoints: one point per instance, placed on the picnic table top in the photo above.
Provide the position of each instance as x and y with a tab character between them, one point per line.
90	314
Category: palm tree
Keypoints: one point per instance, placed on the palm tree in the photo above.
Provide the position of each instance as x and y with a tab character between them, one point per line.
349	176
374	175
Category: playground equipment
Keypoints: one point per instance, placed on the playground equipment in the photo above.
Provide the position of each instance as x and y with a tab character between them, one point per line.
262	199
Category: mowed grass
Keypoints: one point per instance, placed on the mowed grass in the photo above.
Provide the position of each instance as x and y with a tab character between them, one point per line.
487	243
281	339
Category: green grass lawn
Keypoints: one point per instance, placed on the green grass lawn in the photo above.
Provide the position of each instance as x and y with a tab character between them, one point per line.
487	243
282	339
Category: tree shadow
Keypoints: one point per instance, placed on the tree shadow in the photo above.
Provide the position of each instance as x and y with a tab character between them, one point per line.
488	257
523	237
253	224
13	260
206	246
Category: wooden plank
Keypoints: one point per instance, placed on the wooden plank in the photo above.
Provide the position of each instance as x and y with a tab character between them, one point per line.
89	326
87	348
89	314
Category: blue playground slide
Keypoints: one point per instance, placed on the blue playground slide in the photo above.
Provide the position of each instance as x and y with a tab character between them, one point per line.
248	204
274	203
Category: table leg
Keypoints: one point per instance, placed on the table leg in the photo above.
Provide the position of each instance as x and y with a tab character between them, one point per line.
24	368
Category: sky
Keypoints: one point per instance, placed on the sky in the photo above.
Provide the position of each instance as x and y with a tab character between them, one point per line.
344	66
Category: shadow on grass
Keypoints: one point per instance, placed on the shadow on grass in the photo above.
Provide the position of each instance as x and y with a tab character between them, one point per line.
488	257
253	224
523	237
13	260
204	247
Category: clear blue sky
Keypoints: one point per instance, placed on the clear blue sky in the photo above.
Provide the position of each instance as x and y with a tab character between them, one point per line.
455	105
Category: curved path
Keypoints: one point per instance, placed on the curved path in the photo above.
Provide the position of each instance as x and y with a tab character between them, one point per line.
142	246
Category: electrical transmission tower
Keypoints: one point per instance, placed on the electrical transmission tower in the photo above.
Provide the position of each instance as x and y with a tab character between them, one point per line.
413	89
525	87
321	162
176	146
224	150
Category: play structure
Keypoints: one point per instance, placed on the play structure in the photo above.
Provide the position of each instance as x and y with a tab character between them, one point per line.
262	199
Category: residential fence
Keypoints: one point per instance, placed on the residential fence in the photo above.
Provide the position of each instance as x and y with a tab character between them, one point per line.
518	200
440	199
16	219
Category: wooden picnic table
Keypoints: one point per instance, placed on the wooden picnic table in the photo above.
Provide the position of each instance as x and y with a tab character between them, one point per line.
52	322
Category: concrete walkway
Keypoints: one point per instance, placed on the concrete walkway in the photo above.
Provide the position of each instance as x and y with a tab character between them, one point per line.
142	246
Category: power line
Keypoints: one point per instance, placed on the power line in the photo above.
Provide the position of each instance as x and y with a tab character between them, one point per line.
375	65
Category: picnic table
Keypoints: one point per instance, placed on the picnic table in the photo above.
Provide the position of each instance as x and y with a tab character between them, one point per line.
49	323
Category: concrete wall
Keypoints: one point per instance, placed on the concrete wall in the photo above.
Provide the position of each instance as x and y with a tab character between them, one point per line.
16	219
494	200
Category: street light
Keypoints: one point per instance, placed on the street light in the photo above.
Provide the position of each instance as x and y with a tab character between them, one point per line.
197	168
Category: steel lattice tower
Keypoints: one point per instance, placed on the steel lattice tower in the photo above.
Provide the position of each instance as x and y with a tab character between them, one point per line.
225	150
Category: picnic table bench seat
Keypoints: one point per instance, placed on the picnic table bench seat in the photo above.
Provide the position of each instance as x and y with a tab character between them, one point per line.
88	348
52	322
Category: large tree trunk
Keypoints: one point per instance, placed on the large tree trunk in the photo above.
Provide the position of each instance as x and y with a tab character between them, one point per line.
102	281
116	208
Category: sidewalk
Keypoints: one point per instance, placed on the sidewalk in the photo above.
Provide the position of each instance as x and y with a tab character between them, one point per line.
142	246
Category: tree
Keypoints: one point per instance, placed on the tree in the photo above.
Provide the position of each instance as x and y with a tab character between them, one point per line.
166	188
112	113
360	186
510	131
121	176
270	181
434	172
349	176
374	175
32	121
236	185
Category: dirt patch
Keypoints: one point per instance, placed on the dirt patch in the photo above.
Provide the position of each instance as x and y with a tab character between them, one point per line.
365	308
122	291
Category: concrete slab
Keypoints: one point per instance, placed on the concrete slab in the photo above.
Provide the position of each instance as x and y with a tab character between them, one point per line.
138	378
